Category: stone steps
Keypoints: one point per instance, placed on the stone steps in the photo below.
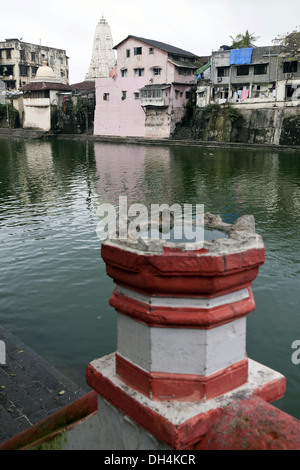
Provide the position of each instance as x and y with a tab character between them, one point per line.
22	133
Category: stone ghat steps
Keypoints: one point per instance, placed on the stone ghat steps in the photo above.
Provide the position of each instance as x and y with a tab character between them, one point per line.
22	133
30	388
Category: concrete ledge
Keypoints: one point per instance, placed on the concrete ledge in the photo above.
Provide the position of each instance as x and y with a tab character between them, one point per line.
51	427
35	134
176	424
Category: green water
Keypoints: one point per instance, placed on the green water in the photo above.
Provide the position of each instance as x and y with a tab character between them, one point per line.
54	292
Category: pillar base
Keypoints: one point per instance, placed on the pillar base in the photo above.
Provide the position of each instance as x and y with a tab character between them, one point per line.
178	425
181	387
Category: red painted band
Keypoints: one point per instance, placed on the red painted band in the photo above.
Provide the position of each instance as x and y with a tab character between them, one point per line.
187	262
182	317
181	387
184	284
55	423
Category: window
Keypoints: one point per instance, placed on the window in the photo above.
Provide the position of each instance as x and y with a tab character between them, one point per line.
290	67
22	54
105	96
151	50
124	94
127	52
33	56
136	95
6	70
137	51
138	72
34	70
223	71
156	70
152	93
242	70
8	53
0	53
201	94
23	70
184	71
124	73
260	69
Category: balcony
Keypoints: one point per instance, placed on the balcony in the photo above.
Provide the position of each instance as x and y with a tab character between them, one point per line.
155	96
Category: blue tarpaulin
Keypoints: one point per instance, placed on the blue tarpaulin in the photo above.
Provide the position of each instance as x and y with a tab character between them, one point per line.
240	56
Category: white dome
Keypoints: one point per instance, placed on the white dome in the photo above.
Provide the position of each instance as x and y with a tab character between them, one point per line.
45	74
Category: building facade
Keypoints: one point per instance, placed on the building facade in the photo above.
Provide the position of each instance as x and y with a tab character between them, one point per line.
147	94
19	62
103	56
259	77
41	99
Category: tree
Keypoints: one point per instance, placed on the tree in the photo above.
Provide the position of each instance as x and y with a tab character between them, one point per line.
290	44
245	40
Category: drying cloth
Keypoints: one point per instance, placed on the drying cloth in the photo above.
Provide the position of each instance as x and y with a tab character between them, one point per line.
240	56
245	94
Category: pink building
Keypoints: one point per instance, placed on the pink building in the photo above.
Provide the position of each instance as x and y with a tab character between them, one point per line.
147	94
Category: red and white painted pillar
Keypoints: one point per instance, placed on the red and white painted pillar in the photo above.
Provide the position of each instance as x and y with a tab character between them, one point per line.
181	335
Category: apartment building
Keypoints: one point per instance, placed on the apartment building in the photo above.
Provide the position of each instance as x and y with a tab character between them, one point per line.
20	60
259	76
146	95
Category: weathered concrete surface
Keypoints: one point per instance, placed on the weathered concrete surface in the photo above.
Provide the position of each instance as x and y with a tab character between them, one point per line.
256	126
22	133
252	424
30	388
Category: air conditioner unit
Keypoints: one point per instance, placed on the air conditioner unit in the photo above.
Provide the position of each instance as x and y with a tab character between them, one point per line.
288	75
219	79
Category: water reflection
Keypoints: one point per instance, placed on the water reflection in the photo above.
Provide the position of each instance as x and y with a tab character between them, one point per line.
54	290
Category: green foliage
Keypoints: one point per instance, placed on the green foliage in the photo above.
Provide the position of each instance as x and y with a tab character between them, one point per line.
13	115
76	114
290	43
233	114
290	133
242	41
212	110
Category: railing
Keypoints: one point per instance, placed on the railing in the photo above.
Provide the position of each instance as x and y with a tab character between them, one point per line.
158	102
37	102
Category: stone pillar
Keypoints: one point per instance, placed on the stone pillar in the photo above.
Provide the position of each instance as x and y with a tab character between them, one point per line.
181	353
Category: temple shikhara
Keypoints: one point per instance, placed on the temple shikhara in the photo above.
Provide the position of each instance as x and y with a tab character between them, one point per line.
103	56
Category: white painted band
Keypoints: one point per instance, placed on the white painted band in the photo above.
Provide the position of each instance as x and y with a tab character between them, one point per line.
185	302
181	350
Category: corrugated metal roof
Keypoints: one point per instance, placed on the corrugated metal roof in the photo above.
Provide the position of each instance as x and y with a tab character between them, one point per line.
184	64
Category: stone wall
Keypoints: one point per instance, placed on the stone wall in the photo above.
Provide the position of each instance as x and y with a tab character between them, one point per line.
277	126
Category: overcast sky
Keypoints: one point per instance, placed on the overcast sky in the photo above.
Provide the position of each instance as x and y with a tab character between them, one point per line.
197	26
